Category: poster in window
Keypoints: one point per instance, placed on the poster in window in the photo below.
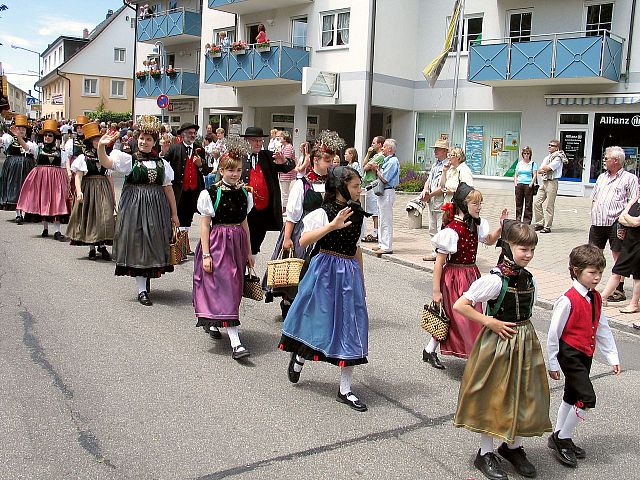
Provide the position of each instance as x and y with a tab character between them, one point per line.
444	136
511	140
475	147
497	144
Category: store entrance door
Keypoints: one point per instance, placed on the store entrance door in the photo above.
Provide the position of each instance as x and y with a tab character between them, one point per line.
573	143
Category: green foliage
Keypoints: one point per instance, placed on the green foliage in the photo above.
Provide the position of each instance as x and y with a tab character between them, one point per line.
415	185
108	116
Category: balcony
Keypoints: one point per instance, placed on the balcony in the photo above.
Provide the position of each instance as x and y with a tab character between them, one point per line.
172	27
555	59
241	7
181	84
281	64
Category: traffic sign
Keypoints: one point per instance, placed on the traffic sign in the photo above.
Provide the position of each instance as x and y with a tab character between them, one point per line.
162	101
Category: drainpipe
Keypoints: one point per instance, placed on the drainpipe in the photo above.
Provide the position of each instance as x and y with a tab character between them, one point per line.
135	48
58	73
631	24
369	86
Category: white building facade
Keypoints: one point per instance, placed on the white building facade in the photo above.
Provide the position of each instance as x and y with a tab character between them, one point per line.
527	74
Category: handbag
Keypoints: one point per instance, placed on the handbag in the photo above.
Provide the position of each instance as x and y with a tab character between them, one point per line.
284	272
536	187
251	287
435	321
175	248
183	241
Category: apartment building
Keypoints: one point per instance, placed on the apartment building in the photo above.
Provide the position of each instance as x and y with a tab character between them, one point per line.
81	74
17	99
529	72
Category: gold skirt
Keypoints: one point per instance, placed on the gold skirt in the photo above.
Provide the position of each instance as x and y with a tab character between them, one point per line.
504	391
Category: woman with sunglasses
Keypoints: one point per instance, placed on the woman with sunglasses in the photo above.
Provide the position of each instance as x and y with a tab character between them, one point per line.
454	172
44	191
524	180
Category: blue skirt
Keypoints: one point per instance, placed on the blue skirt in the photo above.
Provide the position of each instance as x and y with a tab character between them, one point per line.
328	319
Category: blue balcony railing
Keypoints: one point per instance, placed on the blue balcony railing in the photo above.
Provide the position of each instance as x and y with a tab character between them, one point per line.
171	23
282	63
557	58
182	83
242	7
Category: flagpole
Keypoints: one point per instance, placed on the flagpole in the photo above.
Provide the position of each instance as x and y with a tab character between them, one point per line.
454	98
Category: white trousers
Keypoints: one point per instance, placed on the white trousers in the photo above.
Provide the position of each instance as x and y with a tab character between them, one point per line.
385	219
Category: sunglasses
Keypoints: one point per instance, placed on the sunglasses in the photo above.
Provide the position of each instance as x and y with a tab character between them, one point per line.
48	135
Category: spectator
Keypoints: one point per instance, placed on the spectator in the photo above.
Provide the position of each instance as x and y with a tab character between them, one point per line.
613	191
433	194
389	174
274	141
454	172
209	129
371	162
304	160
286	179
262	34
550	171
351	157
524	179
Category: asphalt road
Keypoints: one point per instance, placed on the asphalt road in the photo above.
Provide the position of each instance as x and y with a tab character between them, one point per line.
94	385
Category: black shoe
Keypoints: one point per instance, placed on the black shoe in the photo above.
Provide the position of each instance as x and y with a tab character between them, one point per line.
617	296
537	228
19	219
284	307
59	237
191	253
432	359
92	254
107	256
240	352
293	375
489	465
213	332
518	459
563	450
579	452
356	404
45	233
545	230
143	298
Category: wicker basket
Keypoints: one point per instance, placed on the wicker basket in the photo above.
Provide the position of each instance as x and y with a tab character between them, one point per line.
435	321
176	248
284	272
251	287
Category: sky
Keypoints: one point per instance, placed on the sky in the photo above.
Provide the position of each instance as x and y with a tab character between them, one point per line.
34	24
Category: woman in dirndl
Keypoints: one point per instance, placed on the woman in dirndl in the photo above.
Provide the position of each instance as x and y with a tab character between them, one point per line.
328	319
305	196
44	192
92	222
224	250
455	269
141	244
20	160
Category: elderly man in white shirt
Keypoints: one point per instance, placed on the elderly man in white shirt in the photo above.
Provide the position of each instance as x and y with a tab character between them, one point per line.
550	171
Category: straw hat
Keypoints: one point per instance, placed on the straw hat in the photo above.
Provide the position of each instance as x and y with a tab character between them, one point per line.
91	130
50	126
440	143
82	120
22	121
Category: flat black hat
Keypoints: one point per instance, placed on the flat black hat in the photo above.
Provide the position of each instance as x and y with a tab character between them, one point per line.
254	132
187	125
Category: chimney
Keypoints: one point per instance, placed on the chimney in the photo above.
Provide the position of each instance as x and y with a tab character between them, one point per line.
109	13
85	33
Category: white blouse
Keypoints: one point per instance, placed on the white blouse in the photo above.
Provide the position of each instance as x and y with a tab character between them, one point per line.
446	240
296	200
80	165
455	176
205	205
488	287
33	147
123	163
318	219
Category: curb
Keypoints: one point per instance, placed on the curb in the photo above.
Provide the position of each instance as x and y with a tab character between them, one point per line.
544	304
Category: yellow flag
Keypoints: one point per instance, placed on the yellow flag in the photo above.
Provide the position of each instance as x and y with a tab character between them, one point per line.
432	71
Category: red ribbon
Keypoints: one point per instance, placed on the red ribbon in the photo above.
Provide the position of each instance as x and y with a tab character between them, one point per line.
449	207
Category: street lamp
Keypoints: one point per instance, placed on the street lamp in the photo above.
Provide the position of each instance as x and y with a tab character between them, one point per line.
39	71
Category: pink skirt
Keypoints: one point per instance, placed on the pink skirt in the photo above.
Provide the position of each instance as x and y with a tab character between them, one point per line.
456	279
44	192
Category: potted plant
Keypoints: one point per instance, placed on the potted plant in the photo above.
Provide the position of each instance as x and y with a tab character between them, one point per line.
155	73
141	74
170	71
238	48
215	51
263	47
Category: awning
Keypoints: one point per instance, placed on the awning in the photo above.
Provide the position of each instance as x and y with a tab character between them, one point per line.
592	99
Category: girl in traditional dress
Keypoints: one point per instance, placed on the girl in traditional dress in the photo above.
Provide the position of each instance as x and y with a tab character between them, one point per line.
20	160
504	391
146	209
44	191
455	269
224	250
305	196
92	221
328	319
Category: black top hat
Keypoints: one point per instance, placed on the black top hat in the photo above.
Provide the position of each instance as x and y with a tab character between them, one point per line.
186	126
254	132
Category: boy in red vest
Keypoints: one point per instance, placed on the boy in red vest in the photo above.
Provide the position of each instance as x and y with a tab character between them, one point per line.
578	326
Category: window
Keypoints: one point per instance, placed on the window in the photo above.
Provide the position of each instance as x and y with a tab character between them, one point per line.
171	60
55	58
471	32
520	26
299	32
60	53
117	88
119	54
231	35
252	33
599	18
335	29
90	86
133	22
574	119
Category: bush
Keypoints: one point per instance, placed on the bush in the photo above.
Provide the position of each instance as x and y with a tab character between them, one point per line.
415	185
108	116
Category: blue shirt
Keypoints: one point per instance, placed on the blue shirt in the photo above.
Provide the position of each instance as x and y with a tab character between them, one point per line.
391	171
524	171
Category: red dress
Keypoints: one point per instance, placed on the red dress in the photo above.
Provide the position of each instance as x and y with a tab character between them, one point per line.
458	274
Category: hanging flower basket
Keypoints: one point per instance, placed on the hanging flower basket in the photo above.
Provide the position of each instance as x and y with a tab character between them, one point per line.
215	51
171	72
155	73
263	47
141	75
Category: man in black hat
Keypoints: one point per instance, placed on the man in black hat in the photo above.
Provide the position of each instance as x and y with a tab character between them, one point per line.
188	169
260	171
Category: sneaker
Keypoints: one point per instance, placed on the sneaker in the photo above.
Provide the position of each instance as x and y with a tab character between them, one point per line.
518	459
489	465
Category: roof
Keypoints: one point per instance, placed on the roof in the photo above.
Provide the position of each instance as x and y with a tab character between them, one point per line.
62	37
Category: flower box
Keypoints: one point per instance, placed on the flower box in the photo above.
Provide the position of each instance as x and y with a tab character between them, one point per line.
141	75
217	54
155	73
263	47
238	51
171	72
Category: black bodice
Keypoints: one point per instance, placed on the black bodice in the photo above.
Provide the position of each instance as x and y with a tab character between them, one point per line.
78	145
517	304
49	155
312	200
345	240
141	175
16	149
232	207
93	164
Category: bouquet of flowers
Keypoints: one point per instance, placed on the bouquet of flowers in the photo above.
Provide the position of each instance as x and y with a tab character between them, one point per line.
238	46
331	141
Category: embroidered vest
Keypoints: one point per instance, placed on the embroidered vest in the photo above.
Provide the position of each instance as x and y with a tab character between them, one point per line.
49	156
467	243
141	175
258	182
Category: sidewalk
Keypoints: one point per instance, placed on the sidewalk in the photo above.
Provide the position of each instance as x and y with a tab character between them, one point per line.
549	265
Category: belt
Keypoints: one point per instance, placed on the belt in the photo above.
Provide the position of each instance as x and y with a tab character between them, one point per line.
389	188
336	254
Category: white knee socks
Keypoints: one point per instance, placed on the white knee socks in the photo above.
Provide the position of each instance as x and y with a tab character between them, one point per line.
573	418
297	367
234	338
56	226
486	444
563	411
141	283
45	225
346	377
517	443
432	345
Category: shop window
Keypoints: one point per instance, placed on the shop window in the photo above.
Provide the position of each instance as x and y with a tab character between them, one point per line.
335	28
520	26
599	17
